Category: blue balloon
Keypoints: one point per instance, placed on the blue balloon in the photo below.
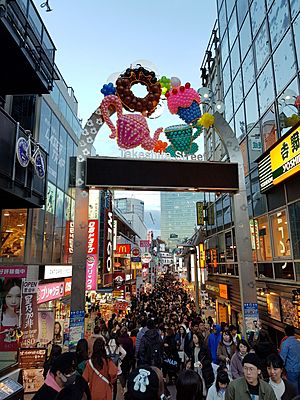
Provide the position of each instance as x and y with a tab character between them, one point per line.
108	89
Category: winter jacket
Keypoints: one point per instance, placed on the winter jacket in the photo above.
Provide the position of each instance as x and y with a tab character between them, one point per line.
127	345
238	390
290	353
222	352
290	390
49	390
151	340
236	366
101	390
207	370
213	342
214	395
139	336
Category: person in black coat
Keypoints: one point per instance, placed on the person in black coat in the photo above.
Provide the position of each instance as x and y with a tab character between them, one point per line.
127	344
200	361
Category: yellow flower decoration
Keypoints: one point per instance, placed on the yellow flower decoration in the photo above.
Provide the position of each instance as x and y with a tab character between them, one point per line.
206	120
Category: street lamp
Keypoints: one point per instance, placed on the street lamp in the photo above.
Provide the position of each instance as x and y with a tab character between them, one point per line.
192	251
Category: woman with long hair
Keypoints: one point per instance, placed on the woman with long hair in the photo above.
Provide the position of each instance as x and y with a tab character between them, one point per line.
189	386
117	354
180	338
226	348
55	352
218	389
10	301
82	353
100	372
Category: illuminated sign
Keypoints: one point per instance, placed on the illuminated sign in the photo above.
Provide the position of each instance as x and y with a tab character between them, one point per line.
200	212
281	162
57	271
50	291
109	242
223	292
123	249
92	246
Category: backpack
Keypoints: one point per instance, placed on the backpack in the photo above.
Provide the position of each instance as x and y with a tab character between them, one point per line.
153	353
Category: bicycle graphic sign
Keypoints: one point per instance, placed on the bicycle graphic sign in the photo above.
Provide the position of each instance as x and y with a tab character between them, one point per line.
28	150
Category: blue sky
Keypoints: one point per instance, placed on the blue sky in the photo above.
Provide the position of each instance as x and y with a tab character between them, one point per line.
96	38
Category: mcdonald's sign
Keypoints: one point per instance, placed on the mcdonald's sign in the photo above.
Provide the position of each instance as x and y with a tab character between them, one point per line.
123	249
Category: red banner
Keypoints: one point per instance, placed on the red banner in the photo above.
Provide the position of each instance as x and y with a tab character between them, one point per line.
29	314
123	249
68	286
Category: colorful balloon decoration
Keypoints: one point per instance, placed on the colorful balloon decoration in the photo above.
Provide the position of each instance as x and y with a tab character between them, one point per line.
184	101
132	130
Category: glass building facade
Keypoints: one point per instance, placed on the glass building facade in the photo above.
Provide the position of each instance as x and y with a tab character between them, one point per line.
178	216
255	72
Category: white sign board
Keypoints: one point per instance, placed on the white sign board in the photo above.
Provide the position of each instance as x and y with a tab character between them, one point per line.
57	271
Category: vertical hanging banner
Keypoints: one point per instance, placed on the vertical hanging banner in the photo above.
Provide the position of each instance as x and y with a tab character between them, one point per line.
92	258
108	241
29	314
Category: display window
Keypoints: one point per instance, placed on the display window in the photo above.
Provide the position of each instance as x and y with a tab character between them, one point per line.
262	239
280	233
13	231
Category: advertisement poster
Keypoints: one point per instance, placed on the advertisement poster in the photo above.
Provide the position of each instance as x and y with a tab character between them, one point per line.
46	327
29	314
274	306
10	307
58	334
289	313
76	328
32	379
251	317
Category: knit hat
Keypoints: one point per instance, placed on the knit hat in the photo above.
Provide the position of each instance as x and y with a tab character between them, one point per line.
65	363
251	358
143	384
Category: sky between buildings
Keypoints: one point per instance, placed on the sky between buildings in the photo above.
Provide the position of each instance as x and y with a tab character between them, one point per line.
97	38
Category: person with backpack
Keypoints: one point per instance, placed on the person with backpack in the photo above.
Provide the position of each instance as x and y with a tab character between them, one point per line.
116	353
151	347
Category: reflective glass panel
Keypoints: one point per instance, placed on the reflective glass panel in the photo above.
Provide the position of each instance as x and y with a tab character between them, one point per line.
57	235
61	157
259	200
288	112
222	19
232	27
45	124
251	108
228	105
262	49
224	48
227	210
294	218
268	122
53	150
257	11
295	7
226	77
265	270
240	123
37	236
280	235
297	35
238	90
263	242
13	234
243	148
229	4
284	270
278	21
242	8
248	71
265	88
235	58
284	62
245	36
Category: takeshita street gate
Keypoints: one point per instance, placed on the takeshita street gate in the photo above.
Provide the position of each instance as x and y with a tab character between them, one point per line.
131	131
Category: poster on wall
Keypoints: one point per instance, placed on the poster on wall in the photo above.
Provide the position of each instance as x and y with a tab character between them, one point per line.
10	307
76	328
58	333
251	317
274	306
289	313
46	327
29	314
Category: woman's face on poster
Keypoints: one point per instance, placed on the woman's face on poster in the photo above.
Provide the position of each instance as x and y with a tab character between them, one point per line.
57	328
13	298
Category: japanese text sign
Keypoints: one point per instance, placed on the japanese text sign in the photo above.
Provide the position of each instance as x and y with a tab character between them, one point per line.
29	314
13	271
91	271
50	291
92	246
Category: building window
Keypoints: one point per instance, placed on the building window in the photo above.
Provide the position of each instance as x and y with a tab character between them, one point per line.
251	109
264	251
294	214
242	8
269	130
222	19
245	37
13	234
278	21
284	62
244	151
232	29
235	58
265	270
265	88
229	105
288	112
254	145
238	90
258	199
280	232
224	48
248	71
240	127
295	7
257	11
284	270
226	77
262	49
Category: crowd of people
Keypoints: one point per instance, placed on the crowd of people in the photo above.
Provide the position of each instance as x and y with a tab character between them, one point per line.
162	342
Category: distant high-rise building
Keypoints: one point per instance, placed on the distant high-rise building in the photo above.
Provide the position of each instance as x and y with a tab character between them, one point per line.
178	216
133	211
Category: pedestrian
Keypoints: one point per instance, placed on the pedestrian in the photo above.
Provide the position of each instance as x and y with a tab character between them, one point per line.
213	342
117	354
226	348
171	360
250	386
62	373
218	389
188	342
189	386
201	362
100	372
82	353
56	351
263	347
78	391
237	337
145	383
96	335
290	353
151	347
127	363
236	363
180	338
139	336
284	390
